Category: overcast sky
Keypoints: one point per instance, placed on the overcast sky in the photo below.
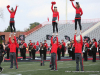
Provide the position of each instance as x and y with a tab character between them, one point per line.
30	11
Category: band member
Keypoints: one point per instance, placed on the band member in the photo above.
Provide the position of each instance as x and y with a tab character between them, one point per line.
30	48
59	51
85	50
12	15
63	48
33	51
45	46
90	51
24	49
7	49
41	49
54	53
54	20
17	49
78	52
2	53
21	48
13	45
73	50
94	49
99	48
69	50
79	13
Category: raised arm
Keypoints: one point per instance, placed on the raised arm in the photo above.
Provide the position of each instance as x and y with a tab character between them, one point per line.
9	10
52	8
73	4
10	40
57	40
52	41
81	12
15	40
15	9
81	39
75	38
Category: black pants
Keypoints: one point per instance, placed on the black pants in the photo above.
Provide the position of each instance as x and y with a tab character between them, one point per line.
12	25
63	51
33	54
24	53
1	58
59	54
79	22
8	53
85	56
94	56
30	53
73	55
21	52
99	54
45	51
54	24
17	52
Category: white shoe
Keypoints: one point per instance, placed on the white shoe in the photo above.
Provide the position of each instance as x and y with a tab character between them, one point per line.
75	32
14	33
53	34
80	33
56	34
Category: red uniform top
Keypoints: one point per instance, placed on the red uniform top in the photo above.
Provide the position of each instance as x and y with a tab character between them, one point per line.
12	14
17	45
54	46
86	45
78	46
64	43
78	10
34	46
46	45
95	43
30	44
13	45
25	45
60	46
55	14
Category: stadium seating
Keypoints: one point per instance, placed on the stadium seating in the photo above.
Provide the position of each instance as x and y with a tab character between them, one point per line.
64	29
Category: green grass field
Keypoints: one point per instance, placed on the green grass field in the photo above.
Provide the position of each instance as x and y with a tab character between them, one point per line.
34	68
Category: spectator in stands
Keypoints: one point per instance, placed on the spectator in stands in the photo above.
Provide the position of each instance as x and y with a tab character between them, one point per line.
63	48
79	13
54	20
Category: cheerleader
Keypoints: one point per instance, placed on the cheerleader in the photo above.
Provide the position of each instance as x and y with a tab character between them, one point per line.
12	15
79	13
54	20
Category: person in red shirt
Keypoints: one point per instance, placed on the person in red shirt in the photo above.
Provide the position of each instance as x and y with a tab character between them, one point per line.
30	47
63	48
94	49
85	50
54	20
33	51
13	45
54	44
78	52
79	13
24	49
45	47
12	15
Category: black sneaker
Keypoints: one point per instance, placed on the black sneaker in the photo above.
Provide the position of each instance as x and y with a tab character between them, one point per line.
16	68
1	69
52	70
10	68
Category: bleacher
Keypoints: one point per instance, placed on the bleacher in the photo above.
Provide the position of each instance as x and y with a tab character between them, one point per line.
64	29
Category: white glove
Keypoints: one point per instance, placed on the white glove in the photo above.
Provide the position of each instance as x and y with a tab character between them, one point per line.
90	48
57	21
70	49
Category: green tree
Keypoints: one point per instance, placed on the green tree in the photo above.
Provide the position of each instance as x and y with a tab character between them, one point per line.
32	25
8	29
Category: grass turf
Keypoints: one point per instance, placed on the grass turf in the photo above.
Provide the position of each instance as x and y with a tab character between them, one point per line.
34	68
